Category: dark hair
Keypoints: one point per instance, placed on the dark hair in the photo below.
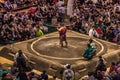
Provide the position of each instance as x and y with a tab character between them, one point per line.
101	60
19	52
4	74
113	63
44	71
100	56
68	66
90	40
88	45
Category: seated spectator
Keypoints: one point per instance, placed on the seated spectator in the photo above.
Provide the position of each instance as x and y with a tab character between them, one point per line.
59	3
113	67
8	5
6	77
42	27
90	76
49	18
99	31
92	33
39	33
99	58
68	73
117	76
98	75
101	66
77	25
106	75
32	76
43	76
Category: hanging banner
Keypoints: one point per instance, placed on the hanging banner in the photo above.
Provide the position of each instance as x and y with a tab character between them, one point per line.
70	7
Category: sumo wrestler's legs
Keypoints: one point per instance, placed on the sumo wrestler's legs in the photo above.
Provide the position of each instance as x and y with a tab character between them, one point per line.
66	43
61	41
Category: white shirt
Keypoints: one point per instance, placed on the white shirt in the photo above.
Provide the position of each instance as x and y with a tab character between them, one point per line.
68	72
91	33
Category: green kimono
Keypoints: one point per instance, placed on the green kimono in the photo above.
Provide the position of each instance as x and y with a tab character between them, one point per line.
88	53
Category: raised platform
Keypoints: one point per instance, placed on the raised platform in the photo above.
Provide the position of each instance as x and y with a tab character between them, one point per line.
45	52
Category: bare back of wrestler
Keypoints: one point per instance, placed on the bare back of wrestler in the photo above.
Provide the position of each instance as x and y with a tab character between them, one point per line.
62	35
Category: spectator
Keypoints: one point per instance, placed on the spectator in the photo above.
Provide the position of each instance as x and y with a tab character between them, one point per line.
100	58
59	3
103	19
39	32
113	67
117	76
50	2
43	76
68	73
7	77
20	60
90	76
62	12
101	66
77	25
8	5
20	53
32	76
98	75
93	33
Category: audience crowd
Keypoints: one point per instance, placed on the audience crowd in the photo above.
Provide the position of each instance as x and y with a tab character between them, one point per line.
101	20
21	70
102	73
8	5
18	26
